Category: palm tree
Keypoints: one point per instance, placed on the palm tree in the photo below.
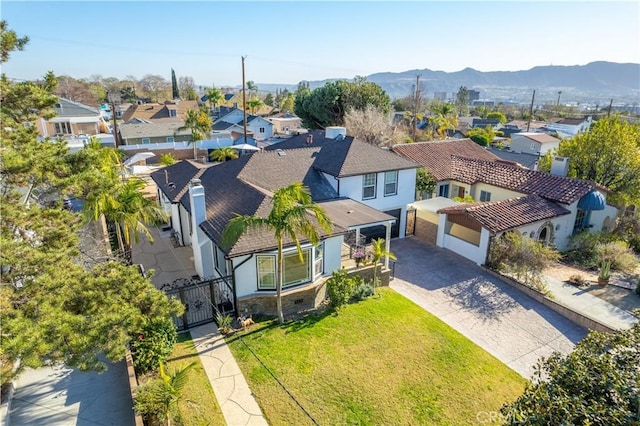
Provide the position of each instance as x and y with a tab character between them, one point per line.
126	207
167	391
445	119
378	251
290	216
214	96
252	88
254	104
224	154
198	123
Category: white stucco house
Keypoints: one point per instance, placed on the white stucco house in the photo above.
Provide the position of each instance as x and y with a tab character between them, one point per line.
364	190
547	207
533	143
232	119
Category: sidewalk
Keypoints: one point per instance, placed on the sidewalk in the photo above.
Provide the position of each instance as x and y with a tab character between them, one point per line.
237	403
589	305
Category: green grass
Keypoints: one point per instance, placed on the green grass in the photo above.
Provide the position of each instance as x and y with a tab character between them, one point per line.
381	361
199	405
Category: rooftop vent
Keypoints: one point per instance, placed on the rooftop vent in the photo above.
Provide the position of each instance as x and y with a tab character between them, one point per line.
281	153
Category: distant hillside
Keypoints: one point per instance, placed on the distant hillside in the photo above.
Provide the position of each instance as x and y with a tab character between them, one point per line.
596	81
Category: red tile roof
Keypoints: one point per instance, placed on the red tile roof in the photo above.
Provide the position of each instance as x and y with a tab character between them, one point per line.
436	156
504	215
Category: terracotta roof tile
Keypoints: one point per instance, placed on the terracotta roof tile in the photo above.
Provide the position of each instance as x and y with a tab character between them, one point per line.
508	214
436	156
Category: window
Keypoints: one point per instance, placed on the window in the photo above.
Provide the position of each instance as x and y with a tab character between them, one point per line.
296	272
170	139
443	191
485	196
63	128
533	145
390	183
266	272
146	140
261	130
369	186
173	113
319	260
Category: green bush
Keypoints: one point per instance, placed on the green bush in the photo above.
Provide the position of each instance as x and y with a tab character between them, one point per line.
148	404
224	322
340	288
361	291
584	247
618	255
153	344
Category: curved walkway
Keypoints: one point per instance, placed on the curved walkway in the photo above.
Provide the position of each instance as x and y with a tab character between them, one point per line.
497	317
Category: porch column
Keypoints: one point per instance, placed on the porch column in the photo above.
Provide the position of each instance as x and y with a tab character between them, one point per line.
387	244
357	237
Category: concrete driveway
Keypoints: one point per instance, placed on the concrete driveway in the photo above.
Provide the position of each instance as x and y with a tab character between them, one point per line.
503	321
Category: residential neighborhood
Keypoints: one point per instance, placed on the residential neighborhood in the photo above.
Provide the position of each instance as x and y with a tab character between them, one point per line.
181	248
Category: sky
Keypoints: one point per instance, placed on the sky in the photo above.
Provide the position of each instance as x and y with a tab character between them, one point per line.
285	42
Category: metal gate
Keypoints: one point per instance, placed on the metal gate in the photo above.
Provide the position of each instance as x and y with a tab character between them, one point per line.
201	300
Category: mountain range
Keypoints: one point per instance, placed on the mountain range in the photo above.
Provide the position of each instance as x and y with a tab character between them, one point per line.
594	82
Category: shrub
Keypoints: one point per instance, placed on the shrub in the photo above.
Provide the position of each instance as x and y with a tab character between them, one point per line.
583	247
153	344
618	255
340	288
224	322
523	257
167	159
361	291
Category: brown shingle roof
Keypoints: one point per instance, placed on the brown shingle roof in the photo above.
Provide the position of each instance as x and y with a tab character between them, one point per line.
557	188
436	156
504	215
154	111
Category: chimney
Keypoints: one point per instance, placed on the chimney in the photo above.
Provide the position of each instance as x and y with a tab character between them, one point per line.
560	166
535	166
334	132
309	139
197	202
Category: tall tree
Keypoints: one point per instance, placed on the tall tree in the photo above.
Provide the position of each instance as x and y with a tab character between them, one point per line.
327	105
54	306
608	154
198	122
463	100
445	119
186	88
215	97
10	41
293	215
154	86
254	104
370	125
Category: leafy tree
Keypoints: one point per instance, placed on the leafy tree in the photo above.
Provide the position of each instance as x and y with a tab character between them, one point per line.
56	303
290	216
269	100
425	182
378	251
596	384
223	154
482	111
254	104
154	85
497	115
483	136
327	105
288	103
128	93
10	41
198	122
186	88
153	344
463	100
608	154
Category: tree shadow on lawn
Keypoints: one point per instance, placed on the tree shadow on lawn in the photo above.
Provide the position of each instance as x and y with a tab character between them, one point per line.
482	297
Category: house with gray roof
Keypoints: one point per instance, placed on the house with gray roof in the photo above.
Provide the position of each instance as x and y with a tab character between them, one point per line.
364	190
72	119
233	118
548	207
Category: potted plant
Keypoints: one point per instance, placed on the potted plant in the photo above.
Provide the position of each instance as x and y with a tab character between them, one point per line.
359	256
605	272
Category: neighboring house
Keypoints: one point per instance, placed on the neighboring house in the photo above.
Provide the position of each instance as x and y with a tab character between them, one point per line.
533	143
285	124
568	127
526	126
546	207
152	133
530	161
232	100
483	122
72	119
170	110
233	120
353	181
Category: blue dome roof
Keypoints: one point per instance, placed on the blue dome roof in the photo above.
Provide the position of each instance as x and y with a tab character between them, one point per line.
594	200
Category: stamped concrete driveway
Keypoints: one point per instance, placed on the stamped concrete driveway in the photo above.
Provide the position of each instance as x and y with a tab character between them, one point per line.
503	321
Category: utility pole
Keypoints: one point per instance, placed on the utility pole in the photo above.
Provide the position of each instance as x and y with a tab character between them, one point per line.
244	102
610	105
558	103
531	110
111	99
415	107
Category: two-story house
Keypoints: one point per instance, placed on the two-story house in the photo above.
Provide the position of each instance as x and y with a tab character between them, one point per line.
533	143
364	190
232	120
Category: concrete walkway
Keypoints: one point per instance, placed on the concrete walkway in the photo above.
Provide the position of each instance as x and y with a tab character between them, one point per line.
237	403
581	301
497	317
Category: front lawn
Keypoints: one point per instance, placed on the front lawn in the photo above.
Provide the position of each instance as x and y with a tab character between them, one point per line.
381	361
198	405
